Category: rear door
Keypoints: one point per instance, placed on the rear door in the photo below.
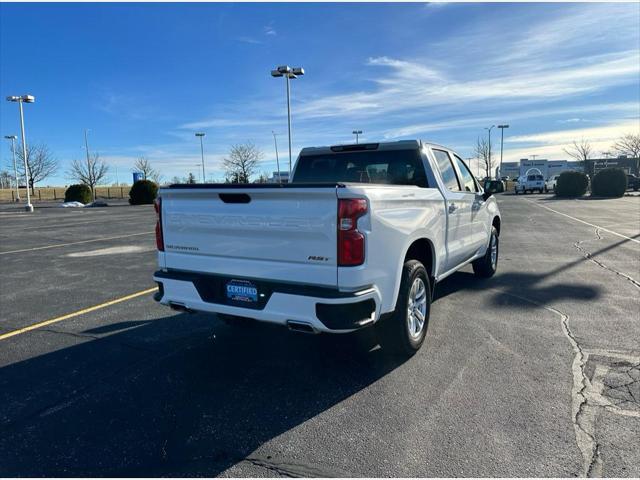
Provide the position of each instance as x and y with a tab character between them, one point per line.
286	234
458	204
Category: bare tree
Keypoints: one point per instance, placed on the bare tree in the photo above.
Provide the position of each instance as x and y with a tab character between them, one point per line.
144	166
6	179
242	162
482	151
629	145
580	151
90	171
176	179
40	162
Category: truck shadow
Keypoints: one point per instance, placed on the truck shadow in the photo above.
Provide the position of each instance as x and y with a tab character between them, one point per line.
176	396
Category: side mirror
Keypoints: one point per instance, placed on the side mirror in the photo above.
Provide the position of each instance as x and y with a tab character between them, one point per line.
486	194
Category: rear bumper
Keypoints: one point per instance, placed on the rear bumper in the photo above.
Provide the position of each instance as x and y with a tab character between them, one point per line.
325	309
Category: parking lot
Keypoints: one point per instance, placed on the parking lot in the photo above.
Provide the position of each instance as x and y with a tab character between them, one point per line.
535	372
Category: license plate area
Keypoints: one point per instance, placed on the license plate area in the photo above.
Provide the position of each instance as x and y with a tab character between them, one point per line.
242	292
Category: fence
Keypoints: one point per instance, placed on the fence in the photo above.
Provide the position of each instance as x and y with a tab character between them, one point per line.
57	193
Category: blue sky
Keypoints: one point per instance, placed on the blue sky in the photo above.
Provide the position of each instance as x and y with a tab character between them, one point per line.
144	77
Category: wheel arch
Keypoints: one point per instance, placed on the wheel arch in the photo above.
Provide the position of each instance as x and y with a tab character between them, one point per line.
496	223
423	250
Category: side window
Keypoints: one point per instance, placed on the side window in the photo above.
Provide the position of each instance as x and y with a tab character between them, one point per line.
446	170
468	184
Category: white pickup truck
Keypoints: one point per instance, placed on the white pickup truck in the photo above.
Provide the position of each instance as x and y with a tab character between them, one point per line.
360	236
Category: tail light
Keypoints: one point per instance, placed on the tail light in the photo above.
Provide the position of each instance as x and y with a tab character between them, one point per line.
159	240
350	240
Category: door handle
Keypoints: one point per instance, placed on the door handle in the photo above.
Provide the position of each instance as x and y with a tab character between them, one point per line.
452	207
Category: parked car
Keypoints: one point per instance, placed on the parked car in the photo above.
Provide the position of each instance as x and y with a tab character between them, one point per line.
633	182
529	183
359	237
550	184
494	186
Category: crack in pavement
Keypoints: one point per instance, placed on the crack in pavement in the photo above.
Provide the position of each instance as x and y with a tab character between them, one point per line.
583	419
588	256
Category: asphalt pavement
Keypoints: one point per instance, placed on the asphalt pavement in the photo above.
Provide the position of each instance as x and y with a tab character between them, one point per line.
535	372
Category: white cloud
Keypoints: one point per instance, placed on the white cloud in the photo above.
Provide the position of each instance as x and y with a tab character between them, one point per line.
594	134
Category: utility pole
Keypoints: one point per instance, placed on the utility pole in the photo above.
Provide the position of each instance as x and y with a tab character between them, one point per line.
357	133
289	73
20	100
275	142
13	139
501	127
201	135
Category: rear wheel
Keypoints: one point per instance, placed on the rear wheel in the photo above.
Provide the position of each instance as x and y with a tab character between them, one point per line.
487	265
403	333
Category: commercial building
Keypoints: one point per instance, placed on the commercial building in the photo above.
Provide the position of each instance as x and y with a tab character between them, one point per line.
279	177
544	167
629	165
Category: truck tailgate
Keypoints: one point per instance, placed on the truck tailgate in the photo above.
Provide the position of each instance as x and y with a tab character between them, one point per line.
274	233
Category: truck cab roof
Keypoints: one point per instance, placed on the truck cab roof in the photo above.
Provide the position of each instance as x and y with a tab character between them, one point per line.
352	147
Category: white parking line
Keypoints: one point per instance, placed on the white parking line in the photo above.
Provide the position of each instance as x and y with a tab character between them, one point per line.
582	221
75	243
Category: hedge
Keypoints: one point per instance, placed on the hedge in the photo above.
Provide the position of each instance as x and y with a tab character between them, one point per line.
610	182
143	192
571	184
78	193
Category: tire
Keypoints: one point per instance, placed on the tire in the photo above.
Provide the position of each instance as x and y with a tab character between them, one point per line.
401	334
546	190
486	266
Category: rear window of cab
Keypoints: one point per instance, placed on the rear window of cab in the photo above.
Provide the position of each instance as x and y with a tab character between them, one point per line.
387	167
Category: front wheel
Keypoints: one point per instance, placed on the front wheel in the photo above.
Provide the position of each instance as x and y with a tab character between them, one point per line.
487	265
403	333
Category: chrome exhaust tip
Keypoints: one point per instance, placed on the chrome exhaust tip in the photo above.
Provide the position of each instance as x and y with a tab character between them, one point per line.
301	327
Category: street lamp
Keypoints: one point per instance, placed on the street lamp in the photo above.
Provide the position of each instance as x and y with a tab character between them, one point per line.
20	100
501	127
13	139
275	142
489	165
201	135
357	133
288	73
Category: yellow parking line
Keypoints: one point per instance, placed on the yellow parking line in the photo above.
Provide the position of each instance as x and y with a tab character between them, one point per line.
4	336
75	243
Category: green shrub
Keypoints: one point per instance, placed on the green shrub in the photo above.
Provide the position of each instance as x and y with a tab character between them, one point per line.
571	184
610	182
143	192
78	193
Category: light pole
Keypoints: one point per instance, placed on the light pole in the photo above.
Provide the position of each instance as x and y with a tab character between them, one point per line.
20	100
501	127
489	163
201	135
288	73
275	142
357	133
89	169
13	139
